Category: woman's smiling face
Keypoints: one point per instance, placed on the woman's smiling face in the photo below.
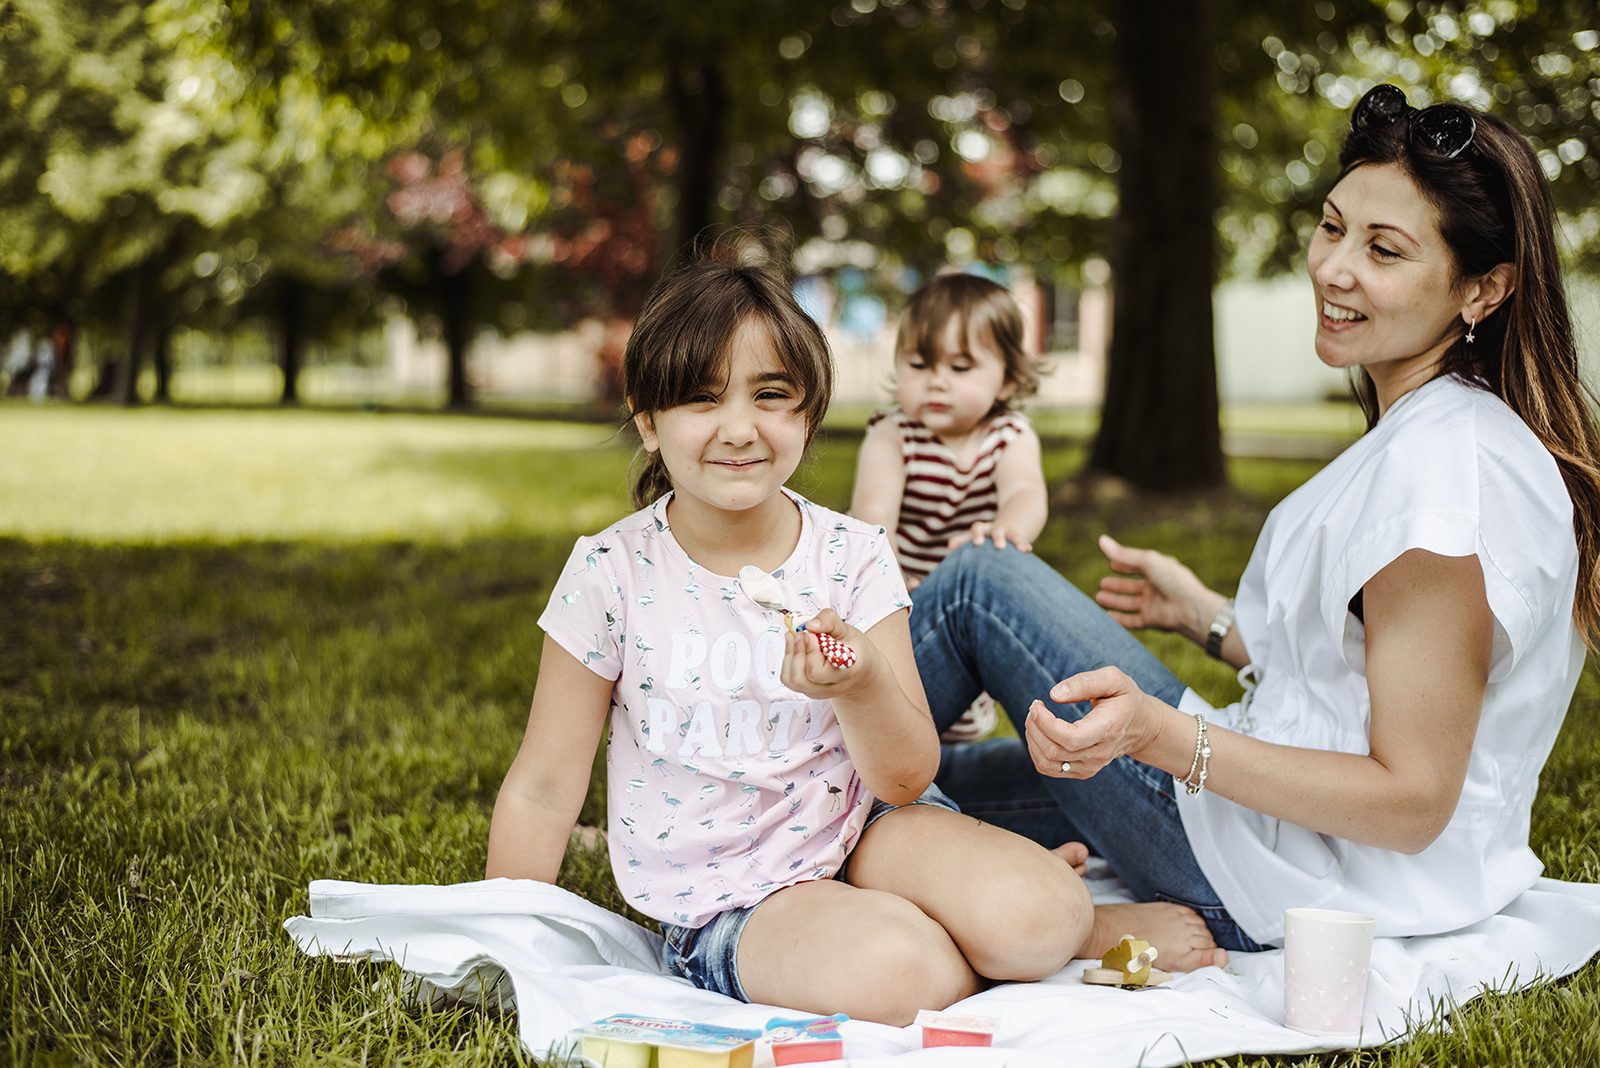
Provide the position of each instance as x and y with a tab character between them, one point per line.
1384	279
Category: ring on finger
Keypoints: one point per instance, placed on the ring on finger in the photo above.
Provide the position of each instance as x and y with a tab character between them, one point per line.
1066	766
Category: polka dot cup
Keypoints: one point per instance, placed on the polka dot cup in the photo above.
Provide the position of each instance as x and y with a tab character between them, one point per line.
1325	959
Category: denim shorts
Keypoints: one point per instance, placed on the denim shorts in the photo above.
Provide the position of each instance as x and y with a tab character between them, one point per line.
708	956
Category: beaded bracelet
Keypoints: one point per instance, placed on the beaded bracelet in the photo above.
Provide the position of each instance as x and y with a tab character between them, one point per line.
1202	759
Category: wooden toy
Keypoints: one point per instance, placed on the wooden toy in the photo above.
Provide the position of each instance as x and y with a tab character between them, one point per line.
1128	964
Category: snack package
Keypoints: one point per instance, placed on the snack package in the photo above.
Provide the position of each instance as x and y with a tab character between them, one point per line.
955	1029
624	1041
806	1039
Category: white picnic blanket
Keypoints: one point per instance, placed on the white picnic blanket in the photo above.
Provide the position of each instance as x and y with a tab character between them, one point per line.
564	961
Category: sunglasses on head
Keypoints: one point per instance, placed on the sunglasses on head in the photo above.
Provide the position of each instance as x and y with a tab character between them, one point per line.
1444	129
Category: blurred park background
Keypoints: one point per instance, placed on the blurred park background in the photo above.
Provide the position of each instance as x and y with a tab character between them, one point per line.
461	203
310	321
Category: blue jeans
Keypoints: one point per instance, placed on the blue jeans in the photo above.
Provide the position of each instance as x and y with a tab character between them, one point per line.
1003	621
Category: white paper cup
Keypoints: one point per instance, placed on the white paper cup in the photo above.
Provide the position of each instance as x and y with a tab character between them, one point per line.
1325	959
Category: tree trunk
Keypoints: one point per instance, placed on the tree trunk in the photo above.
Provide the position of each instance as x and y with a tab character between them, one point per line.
700	105
291	337
106	360
135	317
161	357
64	339
1159	425
455	317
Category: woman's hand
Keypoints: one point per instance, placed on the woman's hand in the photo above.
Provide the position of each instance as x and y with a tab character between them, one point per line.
1122	720
1162	593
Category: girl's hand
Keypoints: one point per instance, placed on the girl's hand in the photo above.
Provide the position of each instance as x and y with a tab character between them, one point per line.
995	532
1162	593
1121	721
805	670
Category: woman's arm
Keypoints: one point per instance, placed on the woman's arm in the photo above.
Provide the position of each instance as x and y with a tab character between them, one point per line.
544	790
1156	590
1429	633
888	730
880	476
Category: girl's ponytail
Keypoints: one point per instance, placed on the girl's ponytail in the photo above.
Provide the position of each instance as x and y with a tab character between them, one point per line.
650	479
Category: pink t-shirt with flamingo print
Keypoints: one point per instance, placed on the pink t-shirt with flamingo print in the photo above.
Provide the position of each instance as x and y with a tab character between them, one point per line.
723	784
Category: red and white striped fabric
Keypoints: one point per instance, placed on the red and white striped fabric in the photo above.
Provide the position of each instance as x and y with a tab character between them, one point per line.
941	499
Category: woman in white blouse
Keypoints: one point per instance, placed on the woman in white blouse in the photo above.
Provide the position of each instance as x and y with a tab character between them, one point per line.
1414	616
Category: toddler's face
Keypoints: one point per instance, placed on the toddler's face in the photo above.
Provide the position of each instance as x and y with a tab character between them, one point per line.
953	391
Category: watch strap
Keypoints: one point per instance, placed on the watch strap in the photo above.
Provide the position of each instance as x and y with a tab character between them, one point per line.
1221	624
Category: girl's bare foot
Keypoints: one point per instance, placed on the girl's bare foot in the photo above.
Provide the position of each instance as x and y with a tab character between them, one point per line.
1179	934
1074	853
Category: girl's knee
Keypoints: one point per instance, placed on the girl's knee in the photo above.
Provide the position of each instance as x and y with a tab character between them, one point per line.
1042	917
911	964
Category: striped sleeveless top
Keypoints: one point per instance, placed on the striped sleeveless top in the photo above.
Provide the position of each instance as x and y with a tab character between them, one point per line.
941	500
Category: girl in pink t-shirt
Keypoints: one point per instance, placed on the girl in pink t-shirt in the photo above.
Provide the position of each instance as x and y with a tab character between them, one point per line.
776	813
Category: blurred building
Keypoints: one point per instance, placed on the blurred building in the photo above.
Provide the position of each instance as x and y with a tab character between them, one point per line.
1265	332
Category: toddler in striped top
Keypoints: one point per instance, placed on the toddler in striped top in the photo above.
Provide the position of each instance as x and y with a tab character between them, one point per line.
953	462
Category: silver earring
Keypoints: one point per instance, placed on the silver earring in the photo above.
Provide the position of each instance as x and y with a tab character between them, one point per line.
1472	324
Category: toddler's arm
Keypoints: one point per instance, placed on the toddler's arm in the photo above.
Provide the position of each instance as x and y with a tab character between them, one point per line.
880	476
1024	504
543	792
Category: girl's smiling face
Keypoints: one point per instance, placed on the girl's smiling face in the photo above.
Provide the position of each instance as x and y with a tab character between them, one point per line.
1385	282
733	446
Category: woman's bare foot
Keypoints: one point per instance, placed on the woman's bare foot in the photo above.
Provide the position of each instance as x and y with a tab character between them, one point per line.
1074	853
1180	936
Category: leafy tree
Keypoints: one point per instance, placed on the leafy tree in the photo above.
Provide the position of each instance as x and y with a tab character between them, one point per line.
82	233
138	192
1179	138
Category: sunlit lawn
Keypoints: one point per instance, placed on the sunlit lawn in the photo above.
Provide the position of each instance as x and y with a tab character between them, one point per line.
243	650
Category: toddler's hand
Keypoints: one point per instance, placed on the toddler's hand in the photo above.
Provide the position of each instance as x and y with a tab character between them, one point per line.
995	532
806	668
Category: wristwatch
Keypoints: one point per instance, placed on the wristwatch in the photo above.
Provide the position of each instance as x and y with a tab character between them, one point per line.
1221	624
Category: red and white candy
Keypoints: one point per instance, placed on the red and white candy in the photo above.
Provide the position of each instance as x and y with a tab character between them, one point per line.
834	651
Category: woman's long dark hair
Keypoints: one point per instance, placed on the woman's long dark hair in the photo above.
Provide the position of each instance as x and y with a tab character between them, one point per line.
679	344
1494	207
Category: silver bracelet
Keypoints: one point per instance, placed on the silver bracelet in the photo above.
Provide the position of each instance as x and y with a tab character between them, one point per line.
1194	764
1202	759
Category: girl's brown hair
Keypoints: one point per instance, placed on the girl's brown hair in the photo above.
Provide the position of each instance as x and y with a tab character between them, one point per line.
679	345
1494	207
980	305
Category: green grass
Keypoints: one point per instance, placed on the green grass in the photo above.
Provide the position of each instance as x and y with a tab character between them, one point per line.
243	650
